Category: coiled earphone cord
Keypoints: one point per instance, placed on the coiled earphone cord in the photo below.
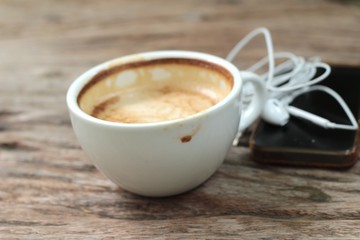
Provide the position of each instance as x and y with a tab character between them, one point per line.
288	80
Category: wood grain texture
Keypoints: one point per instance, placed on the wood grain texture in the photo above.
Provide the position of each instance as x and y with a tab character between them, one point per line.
50	190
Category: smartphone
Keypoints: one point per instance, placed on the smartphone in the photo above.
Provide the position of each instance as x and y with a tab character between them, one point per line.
301	143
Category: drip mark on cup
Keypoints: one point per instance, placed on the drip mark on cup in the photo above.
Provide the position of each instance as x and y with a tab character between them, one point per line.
186	138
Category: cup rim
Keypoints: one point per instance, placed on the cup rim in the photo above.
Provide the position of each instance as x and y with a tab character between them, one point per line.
78	84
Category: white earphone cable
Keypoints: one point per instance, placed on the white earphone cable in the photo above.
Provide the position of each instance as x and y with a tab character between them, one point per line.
291	78
269	46
288	99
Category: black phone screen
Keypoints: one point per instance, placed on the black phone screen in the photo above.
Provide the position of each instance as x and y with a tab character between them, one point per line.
301	142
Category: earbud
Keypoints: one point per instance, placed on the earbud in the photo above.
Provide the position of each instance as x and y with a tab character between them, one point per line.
320	121
275	112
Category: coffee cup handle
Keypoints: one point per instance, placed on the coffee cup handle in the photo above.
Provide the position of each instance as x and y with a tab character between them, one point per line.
253	111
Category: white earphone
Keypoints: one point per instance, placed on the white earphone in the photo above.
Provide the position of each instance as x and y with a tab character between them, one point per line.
288	80
278	111
275	112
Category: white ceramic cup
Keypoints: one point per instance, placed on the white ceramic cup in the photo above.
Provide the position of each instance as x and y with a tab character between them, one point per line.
151	159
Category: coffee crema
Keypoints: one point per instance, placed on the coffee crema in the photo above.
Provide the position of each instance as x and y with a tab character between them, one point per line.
155	91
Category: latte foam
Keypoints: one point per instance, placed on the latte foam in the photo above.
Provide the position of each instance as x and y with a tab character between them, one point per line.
155	92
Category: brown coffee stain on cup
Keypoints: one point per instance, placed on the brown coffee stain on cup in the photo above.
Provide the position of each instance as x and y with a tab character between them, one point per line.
189	86
188	138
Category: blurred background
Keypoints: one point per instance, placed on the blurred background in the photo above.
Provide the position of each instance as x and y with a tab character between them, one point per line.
59	40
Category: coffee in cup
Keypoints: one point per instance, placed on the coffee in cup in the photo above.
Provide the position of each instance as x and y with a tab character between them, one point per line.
155	91
161	123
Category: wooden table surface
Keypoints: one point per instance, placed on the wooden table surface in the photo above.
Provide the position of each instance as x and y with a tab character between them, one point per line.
50	190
